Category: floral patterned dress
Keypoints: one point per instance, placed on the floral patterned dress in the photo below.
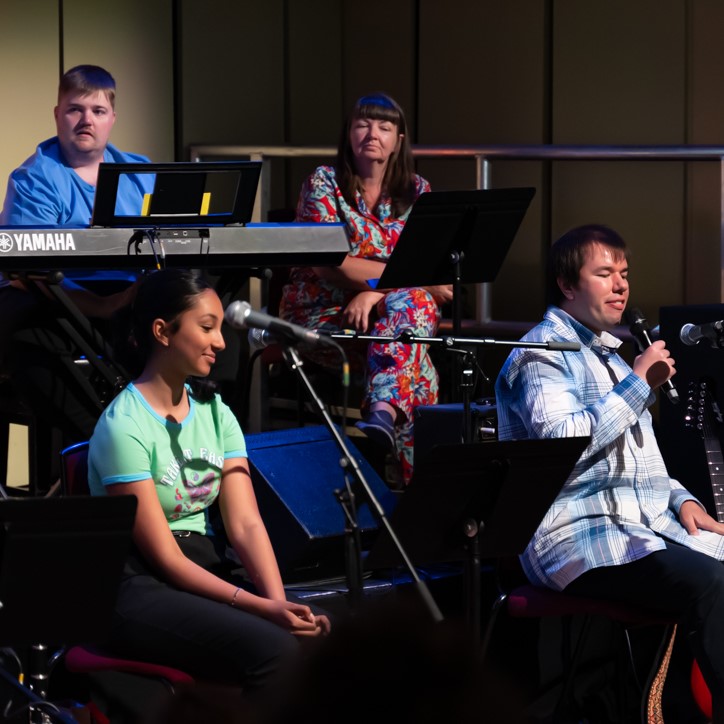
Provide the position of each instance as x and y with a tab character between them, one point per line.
400	374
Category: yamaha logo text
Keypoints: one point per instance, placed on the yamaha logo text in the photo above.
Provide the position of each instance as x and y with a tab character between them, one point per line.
36	241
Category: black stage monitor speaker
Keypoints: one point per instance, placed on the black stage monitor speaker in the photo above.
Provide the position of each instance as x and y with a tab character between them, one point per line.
690	429
445	424
295	473
61	561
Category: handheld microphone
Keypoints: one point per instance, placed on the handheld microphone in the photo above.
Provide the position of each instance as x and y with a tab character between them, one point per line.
713	331
240	315
639	328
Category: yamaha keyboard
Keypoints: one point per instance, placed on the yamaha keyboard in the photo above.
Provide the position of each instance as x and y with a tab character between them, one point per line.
253	245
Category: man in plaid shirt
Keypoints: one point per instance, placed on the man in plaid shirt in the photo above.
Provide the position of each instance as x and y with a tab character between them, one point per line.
620	528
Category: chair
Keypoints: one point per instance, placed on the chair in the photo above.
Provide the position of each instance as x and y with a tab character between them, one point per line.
700	690
280	388
535	602
89	659
86	659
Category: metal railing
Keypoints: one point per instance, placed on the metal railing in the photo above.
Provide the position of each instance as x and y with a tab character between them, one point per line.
483	157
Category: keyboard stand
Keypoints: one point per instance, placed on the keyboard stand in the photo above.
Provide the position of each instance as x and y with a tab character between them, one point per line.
90	346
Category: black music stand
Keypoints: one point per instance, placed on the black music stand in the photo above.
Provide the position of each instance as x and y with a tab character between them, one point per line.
456	237
186	194
474	501
61	561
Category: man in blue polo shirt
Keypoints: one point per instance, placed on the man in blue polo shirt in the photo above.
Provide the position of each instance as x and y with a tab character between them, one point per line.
56	187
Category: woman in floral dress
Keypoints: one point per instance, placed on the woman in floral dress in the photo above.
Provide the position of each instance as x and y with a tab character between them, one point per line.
371	189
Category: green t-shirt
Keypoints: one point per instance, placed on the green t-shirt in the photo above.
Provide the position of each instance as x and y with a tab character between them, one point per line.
131	442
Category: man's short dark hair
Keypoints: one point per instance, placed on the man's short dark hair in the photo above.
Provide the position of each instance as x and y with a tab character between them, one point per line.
568	254
88	79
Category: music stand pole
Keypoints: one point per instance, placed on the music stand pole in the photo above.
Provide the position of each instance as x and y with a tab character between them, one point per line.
464	504
456	259
458	367
348	462
467	385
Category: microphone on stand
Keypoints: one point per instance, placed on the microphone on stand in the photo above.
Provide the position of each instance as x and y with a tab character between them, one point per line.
241	315
261	339
713	331
641	332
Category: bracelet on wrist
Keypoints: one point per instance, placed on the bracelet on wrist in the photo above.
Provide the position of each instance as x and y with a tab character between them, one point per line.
232	603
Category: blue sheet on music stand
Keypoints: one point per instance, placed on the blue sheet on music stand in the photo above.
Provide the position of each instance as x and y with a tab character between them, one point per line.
188	194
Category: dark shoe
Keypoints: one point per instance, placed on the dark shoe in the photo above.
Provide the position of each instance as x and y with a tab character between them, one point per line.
380	428
393	473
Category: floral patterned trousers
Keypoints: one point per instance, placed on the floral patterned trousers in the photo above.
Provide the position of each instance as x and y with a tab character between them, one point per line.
402	375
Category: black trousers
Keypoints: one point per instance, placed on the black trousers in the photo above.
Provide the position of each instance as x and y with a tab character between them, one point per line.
677	581
212	641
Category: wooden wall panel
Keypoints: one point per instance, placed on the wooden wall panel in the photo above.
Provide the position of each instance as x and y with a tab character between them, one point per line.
233	87
29	57
379	51
115	34
619	78
619	72
482	72
232	72
315	73
704	260
466	71
133	40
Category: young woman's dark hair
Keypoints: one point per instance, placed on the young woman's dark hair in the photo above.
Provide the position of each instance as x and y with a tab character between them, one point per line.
166	295
399	175
568	254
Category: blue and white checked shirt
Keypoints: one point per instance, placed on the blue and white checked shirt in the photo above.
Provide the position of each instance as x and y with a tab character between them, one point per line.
619	499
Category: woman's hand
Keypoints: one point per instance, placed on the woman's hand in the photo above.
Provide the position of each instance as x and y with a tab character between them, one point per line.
441	292
353	273
357	313
296	618
323	625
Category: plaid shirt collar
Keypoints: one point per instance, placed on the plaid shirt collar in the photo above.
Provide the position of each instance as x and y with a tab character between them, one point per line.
605	344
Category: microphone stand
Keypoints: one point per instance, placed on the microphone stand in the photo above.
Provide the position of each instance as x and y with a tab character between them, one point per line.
450	342
471	528
346	498
467	386
453	344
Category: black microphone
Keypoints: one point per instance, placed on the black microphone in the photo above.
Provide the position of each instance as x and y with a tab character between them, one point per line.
639	328
713	331
240	315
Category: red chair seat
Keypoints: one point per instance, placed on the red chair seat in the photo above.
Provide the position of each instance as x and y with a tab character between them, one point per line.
529	601
700	691
85	660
